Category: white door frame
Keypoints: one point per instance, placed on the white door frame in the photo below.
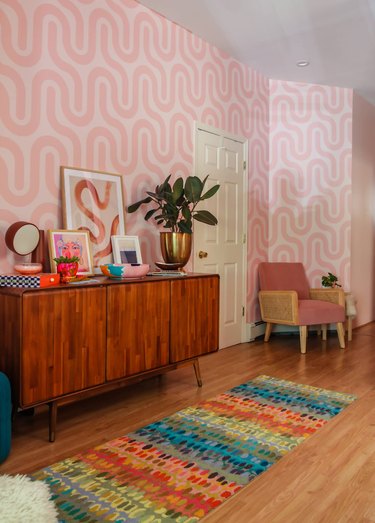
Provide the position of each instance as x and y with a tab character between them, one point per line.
219	132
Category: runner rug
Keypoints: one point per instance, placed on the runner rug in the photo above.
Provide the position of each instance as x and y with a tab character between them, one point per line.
183	466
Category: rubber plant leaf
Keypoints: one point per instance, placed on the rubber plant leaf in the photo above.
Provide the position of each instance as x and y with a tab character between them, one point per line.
211	192
178	189
134	206
149	214
184	226
193	188
186	213
205	217
165	185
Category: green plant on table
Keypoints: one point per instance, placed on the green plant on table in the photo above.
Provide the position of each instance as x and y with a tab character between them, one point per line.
175	206
330	281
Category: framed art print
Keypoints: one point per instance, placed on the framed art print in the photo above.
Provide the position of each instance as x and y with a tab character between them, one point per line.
69	243
126	249
93	201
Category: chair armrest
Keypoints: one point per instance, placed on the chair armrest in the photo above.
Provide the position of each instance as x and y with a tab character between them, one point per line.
279	307
333	295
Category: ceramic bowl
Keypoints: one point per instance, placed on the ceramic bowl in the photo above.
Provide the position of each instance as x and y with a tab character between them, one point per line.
125	270
28	268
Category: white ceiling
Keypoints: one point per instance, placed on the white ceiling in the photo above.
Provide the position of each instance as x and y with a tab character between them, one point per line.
337	37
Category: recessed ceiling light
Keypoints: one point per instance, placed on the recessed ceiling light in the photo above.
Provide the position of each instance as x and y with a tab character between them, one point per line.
302	63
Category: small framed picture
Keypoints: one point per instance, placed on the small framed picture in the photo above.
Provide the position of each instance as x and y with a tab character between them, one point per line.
126	249
69	243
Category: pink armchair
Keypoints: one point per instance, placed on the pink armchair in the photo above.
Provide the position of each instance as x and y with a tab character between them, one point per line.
285	298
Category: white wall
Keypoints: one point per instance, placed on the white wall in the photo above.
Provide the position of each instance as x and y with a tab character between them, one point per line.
363	210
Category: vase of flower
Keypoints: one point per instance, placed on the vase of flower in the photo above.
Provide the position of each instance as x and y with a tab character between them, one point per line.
67	268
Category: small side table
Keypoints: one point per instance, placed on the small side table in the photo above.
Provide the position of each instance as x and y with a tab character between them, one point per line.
351	312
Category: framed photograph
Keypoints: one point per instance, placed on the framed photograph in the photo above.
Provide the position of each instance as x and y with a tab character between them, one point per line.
93	201
126	249
69	243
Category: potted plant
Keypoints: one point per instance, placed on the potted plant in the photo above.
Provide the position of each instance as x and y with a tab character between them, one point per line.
67	267
175	209
330	281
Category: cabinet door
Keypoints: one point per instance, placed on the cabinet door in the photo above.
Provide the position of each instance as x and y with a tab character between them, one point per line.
63	342
194	317
137	328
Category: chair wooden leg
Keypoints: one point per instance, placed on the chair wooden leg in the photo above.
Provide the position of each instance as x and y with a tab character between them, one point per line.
350	328
267	334
302	338
341	334
324	332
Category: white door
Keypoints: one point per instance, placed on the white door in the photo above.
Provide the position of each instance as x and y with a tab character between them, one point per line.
222	249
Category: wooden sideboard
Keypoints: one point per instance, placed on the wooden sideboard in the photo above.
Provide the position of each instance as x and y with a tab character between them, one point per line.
62	343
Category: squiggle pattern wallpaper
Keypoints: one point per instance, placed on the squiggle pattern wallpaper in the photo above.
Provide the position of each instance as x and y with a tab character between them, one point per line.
310	178
109	85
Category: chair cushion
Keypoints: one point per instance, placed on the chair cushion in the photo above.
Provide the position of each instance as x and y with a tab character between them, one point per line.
284	276
315	312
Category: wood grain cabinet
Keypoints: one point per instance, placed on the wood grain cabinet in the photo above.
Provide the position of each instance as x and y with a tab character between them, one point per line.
194	317
63	343
137	328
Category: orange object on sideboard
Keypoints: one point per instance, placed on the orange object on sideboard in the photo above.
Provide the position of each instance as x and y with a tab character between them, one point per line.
34	281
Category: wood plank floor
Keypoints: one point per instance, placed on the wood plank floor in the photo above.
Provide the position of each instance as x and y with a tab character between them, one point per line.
329	478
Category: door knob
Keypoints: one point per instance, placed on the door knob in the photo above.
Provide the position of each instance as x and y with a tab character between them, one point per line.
202	254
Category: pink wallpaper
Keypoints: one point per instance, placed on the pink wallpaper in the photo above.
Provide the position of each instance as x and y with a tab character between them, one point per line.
310	178
109	85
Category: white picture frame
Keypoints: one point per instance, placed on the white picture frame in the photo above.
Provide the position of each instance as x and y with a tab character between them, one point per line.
126	249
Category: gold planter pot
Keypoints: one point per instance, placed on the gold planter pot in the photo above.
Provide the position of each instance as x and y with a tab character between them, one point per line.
175	247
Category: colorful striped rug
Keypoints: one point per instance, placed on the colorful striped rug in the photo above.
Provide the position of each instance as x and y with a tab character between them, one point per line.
180	468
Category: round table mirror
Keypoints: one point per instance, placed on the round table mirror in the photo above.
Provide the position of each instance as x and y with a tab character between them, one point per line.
22	238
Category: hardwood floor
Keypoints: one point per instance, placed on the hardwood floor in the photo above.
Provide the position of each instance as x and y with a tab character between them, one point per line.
329	478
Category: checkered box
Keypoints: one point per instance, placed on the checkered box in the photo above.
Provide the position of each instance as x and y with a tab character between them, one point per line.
34	281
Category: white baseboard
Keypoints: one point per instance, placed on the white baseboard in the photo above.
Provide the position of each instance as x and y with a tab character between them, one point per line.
255	329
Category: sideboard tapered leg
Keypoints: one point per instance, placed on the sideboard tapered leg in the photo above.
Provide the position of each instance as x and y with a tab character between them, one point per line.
197	372
52	420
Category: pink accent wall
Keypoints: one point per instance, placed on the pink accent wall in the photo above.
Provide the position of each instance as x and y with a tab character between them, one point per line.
363	210
258	187
310	178
112	86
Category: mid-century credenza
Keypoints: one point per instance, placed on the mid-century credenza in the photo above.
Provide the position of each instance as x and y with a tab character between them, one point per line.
62	343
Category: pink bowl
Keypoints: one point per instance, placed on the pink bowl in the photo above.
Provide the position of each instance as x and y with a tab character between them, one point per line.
28	268
125	270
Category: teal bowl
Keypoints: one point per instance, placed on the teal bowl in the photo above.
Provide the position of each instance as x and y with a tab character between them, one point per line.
125	270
